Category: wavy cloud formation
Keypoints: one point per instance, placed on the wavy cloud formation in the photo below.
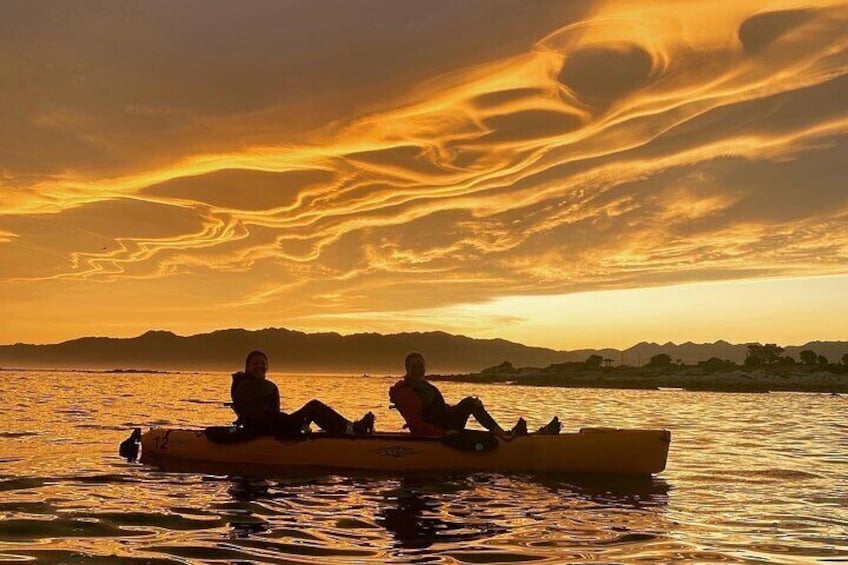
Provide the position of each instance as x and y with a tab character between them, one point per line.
374	161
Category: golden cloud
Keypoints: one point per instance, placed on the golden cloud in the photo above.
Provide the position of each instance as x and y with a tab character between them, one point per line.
606	145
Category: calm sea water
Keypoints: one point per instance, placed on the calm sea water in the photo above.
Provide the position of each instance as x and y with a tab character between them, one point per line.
751	478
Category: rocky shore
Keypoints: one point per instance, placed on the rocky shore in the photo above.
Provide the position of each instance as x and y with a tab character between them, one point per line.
832	379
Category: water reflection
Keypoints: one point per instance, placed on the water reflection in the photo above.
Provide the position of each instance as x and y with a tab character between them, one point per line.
414	513
244	491
772	478
618	492
475	517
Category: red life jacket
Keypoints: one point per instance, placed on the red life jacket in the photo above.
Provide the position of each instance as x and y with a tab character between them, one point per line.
408	403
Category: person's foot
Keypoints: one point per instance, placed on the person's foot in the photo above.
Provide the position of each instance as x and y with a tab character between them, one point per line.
519	429
364	425
552	428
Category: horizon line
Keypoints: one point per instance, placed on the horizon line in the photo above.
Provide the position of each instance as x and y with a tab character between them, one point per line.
341	334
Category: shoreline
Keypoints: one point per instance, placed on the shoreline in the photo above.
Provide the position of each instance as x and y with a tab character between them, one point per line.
684	379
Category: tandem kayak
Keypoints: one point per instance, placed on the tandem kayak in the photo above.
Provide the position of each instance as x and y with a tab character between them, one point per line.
597	451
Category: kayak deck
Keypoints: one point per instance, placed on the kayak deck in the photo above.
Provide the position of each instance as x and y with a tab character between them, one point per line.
600	451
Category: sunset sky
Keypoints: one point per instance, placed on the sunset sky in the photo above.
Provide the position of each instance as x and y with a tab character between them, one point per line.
559	173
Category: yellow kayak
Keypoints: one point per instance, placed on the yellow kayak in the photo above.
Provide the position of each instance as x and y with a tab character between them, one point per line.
597	451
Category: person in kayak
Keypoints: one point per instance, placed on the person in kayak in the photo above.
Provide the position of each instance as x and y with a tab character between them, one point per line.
256	402
426	413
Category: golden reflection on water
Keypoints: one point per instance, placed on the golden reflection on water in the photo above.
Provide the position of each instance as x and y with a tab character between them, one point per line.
750	477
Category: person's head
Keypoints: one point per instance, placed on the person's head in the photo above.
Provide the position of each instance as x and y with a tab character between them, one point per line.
415	366
256	364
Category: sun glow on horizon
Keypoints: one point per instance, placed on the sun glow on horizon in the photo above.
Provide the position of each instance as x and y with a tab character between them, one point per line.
732	311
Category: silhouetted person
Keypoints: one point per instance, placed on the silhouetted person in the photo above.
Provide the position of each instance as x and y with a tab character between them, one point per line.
256	401
426	413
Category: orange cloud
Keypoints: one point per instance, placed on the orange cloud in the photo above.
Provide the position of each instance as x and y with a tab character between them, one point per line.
608	145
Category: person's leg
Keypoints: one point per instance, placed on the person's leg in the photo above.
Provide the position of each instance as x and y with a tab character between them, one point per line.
457	416
331	421
482	415
324	417
288	424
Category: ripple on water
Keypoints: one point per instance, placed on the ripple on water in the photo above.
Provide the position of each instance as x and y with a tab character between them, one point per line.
59	557
108	479
165	521
494	557
101	427
25	483
765	476
16	529
301	549
16	435
27	507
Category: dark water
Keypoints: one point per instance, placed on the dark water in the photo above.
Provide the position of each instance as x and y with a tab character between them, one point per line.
751	478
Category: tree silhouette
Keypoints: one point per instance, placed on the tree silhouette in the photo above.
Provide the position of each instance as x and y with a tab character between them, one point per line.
594	361
763	355
660	360
822	360
845	358
714	364
808	357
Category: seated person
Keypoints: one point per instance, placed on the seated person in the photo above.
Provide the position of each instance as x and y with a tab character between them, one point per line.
256	402
426	413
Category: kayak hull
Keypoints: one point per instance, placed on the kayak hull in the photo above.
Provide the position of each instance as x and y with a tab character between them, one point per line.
597	451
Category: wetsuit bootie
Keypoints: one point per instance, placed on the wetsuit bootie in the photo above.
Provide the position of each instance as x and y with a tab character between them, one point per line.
365	425
552	428
519	429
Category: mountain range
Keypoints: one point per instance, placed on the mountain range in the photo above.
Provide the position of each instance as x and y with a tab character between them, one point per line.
294	351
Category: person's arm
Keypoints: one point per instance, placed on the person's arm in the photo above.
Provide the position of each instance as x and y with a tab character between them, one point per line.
409	406
274	398
439	404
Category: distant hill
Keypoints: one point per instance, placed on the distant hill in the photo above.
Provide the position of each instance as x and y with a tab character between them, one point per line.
288	351
372	353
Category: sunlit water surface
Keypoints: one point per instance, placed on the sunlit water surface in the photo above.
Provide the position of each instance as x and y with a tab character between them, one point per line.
759	478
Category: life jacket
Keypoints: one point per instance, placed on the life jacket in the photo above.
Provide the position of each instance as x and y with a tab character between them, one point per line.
408	400
256	401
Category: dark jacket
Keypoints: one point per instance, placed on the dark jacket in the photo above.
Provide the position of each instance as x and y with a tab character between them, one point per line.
256	401
421	405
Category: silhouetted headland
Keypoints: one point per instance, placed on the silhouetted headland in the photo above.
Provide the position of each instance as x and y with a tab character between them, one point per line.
764	369
100	371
